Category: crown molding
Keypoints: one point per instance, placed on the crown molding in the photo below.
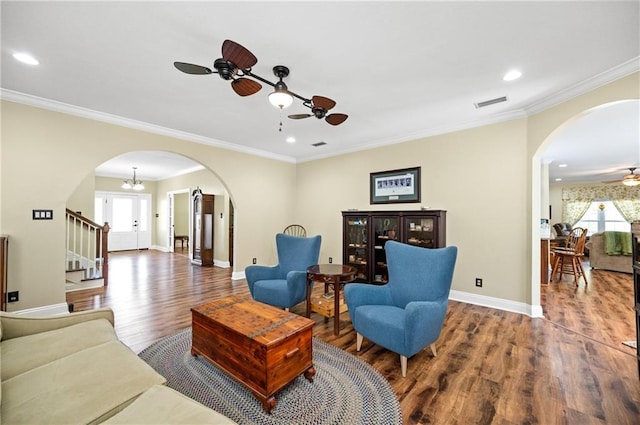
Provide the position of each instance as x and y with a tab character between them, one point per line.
65	108
624	69
627	68
423	134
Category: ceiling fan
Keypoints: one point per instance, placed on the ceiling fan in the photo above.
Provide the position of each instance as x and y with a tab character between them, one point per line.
235	66
319	106
631	179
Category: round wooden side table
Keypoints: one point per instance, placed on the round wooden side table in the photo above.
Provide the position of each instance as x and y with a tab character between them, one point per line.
335	275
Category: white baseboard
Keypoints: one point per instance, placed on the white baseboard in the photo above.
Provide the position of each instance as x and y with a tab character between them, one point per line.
160	248
237	275
497	303
46	310
221	264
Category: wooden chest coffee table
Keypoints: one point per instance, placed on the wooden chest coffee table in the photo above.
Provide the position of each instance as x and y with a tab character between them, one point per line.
262	347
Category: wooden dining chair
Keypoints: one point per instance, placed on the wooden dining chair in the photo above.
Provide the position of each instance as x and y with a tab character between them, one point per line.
295	230
568	259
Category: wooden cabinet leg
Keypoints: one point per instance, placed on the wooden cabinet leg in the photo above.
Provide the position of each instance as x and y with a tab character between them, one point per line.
269	404
309	373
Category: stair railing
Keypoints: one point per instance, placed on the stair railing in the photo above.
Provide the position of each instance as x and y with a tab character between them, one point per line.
87	246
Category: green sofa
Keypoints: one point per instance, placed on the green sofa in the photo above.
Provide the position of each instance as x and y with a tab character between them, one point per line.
72	369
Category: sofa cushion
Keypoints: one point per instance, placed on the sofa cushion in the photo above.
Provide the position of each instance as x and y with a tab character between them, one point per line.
162	405
86	387
28	352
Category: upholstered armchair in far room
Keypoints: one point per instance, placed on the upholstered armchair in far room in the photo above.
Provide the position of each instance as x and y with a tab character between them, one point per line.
285	284
406	314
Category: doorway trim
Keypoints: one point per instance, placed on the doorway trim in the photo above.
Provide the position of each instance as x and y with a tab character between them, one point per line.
171	215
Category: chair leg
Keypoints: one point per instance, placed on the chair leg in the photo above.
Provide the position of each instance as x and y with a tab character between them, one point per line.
582	271
557	266
358	341
433	350
403	365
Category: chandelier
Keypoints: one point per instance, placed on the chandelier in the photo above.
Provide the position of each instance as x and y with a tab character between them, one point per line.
134	183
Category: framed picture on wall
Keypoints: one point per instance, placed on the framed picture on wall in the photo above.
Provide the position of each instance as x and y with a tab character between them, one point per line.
395	186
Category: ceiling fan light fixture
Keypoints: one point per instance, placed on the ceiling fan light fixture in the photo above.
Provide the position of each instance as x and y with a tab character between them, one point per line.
631	180
281	98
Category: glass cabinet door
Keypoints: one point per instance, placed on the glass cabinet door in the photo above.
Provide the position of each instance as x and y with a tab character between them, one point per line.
356	246
385	229
420	231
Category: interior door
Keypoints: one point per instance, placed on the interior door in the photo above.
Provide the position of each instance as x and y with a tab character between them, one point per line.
129	218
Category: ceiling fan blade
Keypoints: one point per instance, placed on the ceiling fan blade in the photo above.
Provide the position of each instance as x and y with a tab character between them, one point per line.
336	119
238	55
190	68
299	116
245	86
323	102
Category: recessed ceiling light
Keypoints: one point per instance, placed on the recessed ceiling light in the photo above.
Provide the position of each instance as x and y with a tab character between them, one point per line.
514	74
563	165
291	139
25	58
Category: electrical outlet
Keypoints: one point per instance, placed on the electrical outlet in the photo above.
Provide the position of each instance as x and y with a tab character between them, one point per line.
13	297
255	260
330	260
478	282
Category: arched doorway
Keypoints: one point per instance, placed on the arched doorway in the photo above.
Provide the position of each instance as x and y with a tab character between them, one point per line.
600	141
163	175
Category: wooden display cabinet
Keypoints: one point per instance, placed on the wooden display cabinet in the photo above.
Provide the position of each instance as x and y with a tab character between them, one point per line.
635	234
365	234
202	249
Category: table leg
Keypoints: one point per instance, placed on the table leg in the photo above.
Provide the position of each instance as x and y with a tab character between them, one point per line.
308	297
336	306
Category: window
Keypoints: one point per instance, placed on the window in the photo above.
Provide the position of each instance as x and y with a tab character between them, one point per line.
601	216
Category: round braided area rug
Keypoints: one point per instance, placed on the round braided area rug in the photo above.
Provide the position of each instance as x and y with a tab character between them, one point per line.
345	390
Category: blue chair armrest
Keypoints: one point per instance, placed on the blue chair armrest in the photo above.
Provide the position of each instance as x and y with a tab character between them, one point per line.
423	323
256	273
297	284
357	294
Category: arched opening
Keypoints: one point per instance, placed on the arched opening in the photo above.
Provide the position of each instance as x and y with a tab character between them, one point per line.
601	142
153	216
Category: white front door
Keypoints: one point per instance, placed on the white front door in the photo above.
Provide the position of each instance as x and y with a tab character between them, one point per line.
129	217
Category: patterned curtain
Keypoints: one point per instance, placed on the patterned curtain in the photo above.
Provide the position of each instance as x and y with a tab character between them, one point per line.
629	208
576	201
573	211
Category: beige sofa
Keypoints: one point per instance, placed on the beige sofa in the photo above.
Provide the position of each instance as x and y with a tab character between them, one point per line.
72	369
598	259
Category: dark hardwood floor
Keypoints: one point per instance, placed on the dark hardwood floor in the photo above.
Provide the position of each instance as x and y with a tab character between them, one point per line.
493	367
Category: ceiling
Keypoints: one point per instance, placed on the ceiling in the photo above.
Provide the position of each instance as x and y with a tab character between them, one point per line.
400	70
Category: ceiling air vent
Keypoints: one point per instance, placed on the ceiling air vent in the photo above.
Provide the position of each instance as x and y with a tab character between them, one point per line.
318	144
490	102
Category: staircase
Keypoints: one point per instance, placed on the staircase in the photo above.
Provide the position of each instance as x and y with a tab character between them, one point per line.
87	262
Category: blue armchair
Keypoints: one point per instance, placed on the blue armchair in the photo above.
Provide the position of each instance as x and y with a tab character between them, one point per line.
285	284
406	314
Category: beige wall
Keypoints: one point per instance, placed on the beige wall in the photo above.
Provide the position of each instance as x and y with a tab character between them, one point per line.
262	190
476	175
210	184
181	203
488	179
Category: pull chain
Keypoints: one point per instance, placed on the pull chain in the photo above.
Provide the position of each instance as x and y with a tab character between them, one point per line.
280	129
